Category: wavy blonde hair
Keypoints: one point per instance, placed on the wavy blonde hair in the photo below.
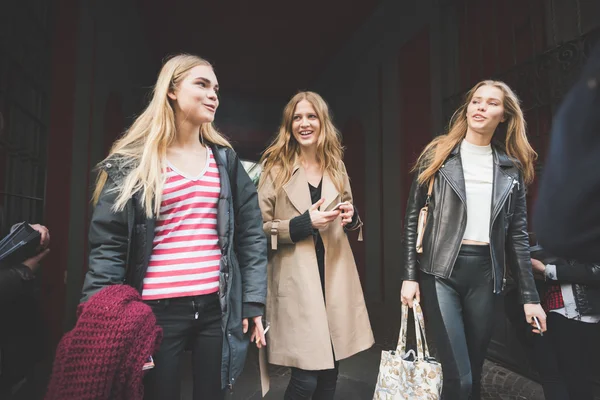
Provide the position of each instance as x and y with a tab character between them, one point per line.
515	143
144	145
282	153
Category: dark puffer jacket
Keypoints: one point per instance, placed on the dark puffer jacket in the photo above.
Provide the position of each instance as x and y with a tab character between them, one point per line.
585	278
120	249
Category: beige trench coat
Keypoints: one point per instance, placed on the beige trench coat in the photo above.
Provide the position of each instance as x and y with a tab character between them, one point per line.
303	330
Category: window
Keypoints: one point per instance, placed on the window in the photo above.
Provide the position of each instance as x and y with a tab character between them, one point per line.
253	169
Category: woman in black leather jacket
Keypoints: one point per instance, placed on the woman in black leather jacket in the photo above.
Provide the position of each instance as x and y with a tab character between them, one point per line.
568	357
477	224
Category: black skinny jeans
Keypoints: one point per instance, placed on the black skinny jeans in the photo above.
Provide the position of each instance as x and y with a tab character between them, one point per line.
193	322
568	358
460	314
315	385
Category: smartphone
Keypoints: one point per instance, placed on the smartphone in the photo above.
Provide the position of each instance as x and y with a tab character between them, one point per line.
337	206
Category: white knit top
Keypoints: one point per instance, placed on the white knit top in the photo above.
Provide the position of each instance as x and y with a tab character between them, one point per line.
478	168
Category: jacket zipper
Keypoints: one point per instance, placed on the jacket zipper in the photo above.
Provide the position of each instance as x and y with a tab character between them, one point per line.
504	197
510	200
226	261
510	196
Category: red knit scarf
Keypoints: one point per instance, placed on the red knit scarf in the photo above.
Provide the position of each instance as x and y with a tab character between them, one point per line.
102	357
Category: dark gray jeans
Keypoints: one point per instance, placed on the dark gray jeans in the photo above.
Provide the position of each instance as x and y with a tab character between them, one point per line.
187	322
315	385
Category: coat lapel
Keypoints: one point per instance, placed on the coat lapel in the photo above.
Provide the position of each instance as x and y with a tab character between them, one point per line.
299	194
297	190
329	192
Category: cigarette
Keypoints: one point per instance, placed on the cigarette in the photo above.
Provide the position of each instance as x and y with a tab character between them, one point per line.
538	325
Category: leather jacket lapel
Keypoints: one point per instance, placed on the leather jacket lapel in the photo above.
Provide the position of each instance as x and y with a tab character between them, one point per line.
452	171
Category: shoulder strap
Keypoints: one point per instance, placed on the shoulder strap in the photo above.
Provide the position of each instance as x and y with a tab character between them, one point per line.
430	190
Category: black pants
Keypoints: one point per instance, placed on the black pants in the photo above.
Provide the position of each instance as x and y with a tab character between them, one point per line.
193	322
460	313
315	385
567	358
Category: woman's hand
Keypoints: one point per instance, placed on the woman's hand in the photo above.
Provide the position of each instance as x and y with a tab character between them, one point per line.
34	262
410	291
539	269
538	266
347	213
321	219
258	331
44	233
535	310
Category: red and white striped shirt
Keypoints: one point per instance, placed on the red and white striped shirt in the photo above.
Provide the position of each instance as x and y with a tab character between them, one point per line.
186	254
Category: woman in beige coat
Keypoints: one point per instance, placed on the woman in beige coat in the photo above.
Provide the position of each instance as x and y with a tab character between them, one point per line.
315	302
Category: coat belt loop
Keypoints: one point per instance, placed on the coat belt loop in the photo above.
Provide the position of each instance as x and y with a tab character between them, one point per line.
274	233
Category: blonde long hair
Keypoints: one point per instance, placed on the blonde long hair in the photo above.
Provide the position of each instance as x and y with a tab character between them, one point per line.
282	153
143	147
515	144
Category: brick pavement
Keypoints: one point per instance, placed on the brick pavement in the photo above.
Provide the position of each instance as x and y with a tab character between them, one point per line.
358	375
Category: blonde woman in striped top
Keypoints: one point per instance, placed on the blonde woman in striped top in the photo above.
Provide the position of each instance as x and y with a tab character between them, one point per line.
177	217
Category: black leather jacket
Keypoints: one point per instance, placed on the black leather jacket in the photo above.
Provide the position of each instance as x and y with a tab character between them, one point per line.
447	220
585	278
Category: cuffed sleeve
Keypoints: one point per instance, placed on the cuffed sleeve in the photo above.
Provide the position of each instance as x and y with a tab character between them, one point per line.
578	272
251	310
301	227
550	272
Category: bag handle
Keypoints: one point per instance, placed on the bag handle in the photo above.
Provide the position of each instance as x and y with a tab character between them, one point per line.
401	346
422	347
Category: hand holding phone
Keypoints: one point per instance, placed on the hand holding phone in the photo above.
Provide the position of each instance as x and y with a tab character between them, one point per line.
337	206
321	219
345	214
